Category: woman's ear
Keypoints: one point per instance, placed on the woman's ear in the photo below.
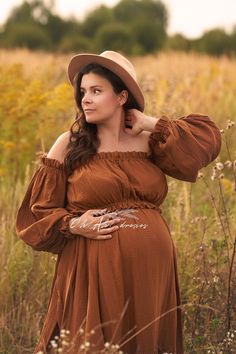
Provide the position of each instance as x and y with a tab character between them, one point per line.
123	96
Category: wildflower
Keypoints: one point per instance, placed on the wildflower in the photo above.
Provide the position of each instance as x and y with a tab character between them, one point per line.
87	344
65	343
230	124
219	166
201	248
107	345
200	175
221	176
215	170
228	163
115	346
9	145
54	344
222	131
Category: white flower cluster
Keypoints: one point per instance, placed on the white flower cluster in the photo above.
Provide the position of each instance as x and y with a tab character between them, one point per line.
228	342
85	345
198	219
230	124
113	347
219	167
200	175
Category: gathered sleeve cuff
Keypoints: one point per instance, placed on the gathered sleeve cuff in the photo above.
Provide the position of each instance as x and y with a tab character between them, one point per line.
181	147
42	220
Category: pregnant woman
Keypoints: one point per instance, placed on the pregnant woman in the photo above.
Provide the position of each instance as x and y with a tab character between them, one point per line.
95	202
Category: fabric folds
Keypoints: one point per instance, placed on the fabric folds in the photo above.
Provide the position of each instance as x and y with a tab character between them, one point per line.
181	147
42	220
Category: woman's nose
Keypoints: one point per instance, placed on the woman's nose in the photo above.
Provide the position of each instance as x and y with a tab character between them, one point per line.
86	98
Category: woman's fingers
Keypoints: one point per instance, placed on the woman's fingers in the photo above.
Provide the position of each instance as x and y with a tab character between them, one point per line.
103	237
108	229
96	224
98	212
107	224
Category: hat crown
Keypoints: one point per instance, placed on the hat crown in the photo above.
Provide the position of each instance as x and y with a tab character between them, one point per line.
120	60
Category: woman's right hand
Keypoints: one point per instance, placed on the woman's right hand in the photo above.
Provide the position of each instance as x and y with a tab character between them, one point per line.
96	224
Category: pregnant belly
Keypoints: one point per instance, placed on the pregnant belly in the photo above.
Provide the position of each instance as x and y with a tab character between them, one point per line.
137	263
145	236
144	239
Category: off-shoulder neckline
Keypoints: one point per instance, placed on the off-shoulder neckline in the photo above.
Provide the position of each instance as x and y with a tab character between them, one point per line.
121	154
110	155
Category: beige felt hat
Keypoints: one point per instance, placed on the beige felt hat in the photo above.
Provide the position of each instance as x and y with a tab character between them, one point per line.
113	61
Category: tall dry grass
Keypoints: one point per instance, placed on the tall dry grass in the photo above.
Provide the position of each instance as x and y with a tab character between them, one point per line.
36	105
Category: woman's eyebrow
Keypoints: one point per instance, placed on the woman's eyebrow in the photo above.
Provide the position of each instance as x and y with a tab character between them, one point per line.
91	86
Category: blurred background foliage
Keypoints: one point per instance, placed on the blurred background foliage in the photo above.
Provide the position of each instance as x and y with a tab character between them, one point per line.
37	104
177	76
135	27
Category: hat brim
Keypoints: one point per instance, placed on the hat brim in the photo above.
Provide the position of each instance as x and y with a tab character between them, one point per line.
80	60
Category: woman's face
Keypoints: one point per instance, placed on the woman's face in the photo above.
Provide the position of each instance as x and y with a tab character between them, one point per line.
98	99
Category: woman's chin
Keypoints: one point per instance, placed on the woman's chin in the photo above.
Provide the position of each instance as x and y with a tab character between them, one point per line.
94	120
91	120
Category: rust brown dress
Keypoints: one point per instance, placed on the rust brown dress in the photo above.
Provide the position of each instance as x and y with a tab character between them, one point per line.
130	280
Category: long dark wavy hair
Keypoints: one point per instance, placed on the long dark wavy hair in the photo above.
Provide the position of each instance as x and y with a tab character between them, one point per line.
84	142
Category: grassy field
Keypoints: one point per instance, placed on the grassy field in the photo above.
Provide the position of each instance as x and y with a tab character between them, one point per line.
36	105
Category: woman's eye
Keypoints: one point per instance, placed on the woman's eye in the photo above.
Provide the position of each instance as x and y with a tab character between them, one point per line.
82	92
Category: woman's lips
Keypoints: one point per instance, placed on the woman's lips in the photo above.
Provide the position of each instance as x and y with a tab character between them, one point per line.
89	110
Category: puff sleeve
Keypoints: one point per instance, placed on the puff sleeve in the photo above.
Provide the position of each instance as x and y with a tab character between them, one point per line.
181	147
42	220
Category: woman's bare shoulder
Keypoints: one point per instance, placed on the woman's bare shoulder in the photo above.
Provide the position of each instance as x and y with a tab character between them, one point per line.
59	148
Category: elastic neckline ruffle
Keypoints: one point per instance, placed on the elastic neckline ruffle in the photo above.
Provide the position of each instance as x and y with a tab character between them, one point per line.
47	161
110	155
121	155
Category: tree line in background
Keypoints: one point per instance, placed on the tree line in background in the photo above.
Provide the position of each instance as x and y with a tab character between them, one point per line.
134	27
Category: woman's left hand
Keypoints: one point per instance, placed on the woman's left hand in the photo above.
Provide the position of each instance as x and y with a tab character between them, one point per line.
134	119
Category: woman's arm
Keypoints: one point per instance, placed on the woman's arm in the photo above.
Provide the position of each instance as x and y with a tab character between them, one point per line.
179	147
42	219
